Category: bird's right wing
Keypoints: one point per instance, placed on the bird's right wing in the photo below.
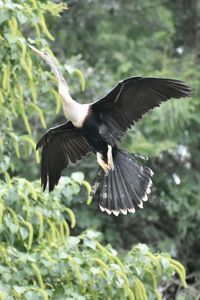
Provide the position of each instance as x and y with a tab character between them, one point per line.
132	98
60	146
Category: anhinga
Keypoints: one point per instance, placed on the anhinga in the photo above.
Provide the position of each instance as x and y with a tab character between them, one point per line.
123	183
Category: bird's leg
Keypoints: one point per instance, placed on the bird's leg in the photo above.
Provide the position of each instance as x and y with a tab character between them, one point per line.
110	158
102	163
109	166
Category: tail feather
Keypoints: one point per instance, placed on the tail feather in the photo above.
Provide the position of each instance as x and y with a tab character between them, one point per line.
111	192
110	201
136	198
121	191
124	189
104	193
142	183
114	196
139	177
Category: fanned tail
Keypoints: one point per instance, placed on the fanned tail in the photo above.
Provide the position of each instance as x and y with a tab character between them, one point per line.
124	189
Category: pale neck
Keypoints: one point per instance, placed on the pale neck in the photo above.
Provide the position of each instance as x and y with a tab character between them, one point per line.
74	111
59	76
65	94
62	85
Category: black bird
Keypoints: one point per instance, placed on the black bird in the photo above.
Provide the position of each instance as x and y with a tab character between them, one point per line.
122	183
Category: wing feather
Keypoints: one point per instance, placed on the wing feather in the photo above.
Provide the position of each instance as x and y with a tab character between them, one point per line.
132	98
60	146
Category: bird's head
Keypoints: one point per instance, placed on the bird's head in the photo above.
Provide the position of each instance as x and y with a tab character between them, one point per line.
51	61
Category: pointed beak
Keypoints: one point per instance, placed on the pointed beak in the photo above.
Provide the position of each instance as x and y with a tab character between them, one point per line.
35	50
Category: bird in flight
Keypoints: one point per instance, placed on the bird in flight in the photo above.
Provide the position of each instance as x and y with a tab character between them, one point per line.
122	184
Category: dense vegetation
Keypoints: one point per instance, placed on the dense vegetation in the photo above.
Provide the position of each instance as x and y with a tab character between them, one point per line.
52	245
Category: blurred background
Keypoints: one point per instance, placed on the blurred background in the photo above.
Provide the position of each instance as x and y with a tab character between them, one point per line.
97	44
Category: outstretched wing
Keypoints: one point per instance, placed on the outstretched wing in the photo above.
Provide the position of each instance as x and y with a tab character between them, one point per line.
60	146
132	98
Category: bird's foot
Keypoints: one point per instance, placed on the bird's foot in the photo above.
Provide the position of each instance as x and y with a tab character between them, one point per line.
105	167
102	163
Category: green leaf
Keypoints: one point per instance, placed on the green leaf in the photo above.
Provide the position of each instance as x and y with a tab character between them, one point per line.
21	17
90	244
91	234
4	164
24	232
4	16
73	241
19	289
78	177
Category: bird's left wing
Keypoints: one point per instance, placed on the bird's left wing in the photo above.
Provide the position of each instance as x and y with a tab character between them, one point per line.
60	146
133	97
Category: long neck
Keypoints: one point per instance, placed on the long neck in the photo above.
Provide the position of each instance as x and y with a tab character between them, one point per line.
62	86
74	111
59	76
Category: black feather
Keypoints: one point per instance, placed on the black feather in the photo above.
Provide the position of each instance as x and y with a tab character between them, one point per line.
60	145
124	189
131	99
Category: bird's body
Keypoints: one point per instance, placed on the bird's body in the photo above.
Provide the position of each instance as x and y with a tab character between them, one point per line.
84	118
90	129
123	183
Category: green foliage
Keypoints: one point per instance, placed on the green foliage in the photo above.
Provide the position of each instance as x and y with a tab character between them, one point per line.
30	213
21	79
43	254
39	257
